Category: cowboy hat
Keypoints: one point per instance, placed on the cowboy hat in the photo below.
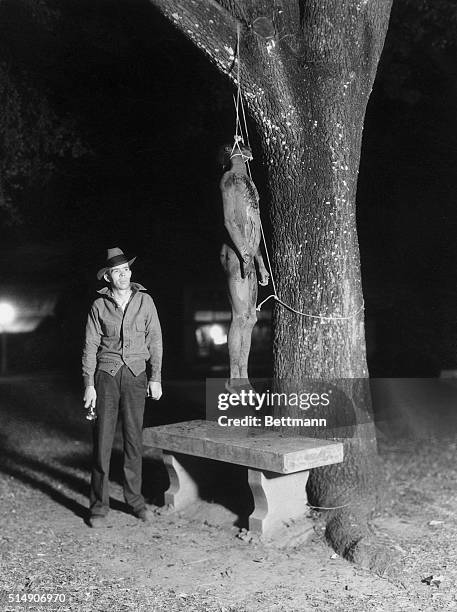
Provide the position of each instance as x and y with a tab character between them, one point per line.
114	257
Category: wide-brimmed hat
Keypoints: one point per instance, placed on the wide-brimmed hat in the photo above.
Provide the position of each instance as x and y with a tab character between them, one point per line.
114	257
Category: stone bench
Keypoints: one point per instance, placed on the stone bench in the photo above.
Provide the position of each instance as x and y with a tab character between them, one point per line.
278	465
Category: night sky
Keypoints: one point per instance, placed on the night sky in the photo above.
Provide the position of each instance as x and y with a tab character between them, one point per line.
150	113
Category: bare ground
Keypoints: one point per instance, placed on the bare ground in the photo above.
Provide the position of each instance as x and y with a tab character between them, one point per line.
196	561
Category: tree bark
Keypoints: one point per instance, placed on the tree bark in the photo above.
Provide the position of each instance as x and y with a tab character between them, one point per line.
307	69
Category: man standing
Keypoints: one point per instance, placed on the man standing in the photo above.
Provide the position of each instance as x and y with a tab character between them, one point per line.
239	254
122	361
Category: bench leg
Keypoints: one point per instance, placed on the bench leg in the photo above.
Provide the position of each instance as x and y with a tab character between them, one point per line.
277	499
183	489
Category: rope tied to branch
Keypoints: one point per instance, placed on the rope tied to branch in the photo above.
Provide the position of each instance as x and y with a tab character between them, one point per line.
241	133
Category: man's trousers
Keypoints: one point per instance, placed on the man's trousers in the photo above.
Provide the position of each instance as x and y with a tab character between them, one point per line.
122	394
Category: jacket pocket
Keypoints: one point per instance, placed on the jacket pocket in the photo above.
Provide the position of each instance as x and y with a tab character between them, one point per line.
140	326
109	329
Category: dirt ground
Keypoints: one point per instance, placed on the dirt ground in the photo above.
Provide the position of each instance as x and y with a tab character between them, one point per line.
196	561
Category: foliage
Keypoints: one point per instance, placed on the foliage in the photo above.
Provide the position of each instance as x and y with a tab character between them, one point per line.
32	137
431	22
419	50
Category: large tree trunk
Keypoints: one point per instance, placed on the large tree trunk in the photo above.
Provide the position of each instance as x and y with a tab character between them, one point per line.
307	71
311	129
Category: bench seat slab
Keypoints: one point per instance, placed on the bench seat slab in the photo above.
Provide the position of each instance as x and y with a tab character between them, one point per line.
262	450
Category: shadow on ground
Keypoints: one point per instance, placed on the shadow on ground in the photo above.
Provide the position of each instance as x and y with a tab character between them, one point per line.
48	410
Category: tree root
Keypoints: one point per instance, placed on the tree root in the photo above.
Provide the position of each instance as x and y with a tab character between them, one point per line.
353	539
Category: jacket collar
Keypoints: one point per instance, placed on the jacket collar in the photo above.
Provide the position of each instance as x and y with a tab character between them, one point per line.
135	287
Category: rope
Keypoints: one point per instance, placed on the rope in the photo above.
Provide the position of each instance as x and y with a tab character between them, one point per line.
245	125
237	139
323	508
305	314
238	130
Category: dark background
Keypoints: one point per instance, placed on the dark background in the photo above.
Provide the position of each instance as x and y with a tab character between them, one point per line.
135	166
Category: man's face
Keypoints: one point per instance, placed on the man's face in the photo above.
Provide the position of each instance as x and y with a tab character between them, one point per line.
119	276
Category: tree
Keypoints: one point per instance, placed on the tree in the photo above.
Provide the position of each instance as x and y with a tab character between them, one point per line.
35	135
419	55
307	70
32	138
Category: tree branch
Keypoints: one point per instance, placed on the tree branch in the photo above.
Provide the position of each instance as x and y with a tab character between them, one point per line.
207	24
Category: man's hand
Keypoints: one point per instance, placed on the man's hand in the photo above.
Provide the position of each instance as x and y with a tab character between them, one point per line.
90	397
247	259
264	276
154	390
